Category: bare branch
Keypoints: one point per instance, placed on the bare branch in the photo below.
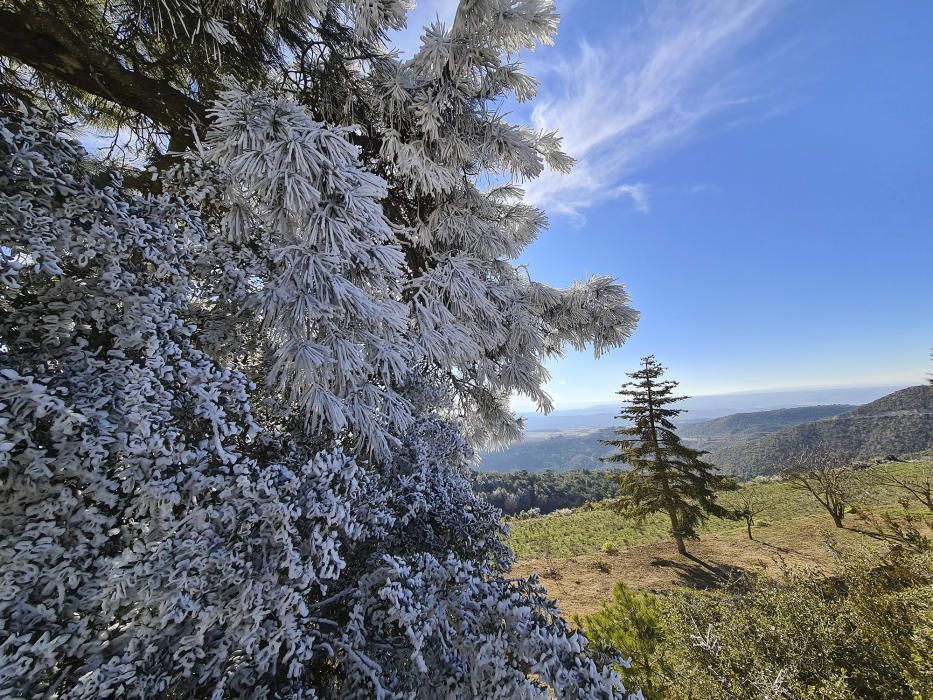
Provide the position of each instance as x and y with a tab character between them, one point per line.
827	476
918	485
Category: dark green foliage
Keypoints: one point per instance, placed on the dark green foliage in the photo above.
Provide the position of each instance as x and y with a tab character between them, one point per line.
547	491
630	625
665	476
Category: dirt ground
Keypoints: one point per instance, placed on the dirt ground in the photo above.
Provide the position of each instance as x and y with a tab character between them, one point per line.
581	583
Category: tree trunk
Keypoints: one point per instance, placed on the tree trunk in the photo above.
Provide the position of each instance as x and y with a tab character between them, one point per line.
837	519
675	528
748	524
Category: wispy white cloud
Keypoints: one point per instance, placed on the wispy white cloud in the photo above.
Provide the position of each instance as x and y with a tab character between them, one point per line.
619	102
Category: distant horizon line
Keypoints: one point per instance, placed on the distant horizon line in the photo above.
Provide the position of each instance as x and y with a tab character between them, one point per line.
744	392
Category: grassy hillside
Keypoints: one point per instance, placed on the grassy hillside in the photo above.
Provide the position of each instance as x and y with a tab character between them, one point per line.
588	531
582	582
576	567
895	424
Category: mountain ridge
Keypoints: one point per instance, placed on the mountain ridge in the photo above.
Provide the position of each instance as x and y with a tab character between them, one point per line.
581	449
898	423
757	423
708	406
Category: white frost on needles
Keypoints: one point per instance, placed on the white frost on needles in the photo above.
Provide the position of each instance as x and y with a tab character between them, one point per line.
320	270
236	416
155	536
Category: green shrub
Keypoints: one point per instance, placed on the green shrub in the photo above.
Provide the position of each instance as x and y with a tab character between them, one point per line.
867	633
609	547
629	626
864	634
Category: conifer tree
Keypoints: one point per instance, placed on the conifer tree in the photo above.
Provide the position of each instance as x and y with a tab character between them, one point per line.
665	476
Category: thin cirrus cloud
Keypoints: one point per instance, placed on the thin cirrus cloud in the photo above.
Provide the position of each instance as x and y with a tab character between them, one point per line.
645	89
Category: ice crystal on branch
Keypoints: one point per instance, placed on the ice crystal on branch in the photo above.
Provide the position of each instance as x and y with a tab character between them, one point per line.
156	538
239	392
320	269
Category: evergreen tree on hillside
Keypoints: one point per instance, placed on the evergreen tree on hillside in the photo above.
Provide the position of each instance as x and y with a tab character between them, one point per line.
665	475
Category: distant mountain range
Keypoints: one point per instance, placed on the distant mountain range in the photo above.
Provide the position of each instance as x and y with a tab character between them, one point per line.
706	407
753	442
739	427
581	449
571	449
899	423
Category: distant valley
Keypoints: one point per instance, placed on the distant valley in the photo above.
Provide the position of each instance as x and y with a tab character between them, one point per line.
581	449
748	443
573	449
698	408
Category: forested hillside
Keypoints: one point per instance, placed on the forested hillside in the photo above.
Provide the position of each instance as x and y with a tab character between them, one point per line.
898	423
581	449
745	426
562	452
547	491
748	444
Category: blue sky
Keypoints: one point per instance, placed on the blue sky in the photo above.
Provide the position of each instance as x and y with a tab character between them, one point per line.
757	173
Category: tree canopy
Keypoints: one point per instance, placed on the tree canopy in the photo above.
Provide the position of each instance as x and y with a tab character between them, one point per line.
547	491
247	357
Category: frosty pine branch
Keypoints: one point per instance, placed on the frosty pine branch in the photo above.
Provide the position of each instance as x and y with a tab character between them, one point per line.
238	396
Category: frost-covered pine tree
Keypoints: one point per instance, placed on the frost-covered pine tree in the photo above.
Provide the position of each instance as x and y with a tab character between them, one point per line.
246	356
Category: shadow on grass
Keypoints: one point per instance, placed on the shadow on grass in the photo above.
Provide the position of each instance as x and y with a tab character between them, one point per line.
697	573
776	548
873	534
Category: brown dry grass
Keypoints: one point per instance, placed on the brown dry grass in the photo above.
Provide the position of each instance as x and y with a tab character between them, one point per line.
581	583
